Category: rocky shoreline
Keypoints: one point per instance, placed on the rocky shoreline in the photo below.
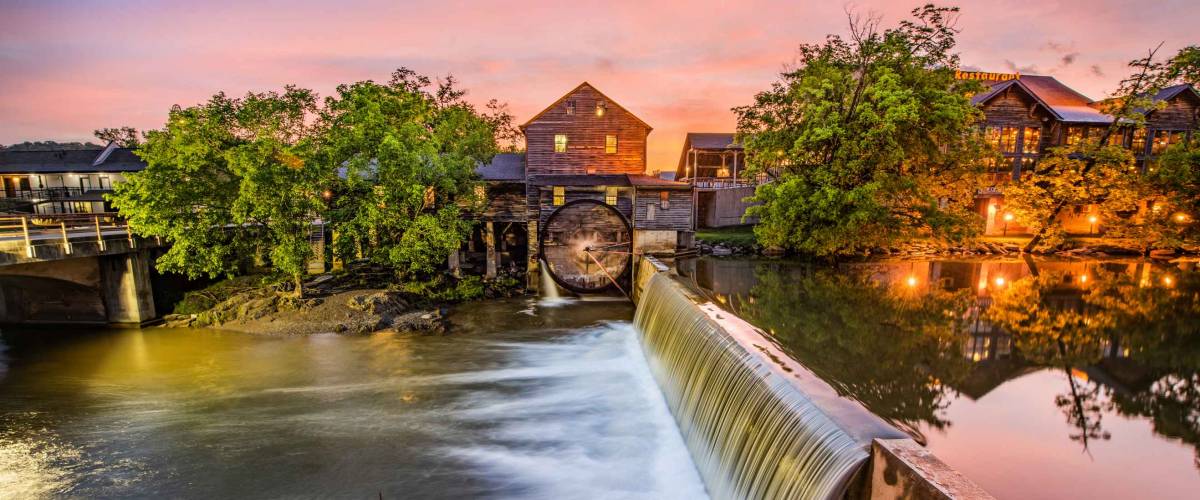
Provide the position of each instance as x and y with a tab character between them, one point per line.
362	301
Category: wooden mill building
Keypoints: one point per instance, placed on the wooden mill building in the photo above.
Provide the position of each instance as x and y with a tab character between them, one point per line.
579	197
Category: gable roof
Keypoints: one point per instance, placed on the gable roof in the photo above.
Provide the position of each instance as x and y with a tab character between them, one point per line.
1062	101
711	140
1171	92
576	89
109	159
503	167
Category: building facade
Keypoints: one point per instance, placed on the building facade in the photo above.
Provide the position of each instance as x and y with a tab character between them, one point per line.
579	200
63	181
1027	115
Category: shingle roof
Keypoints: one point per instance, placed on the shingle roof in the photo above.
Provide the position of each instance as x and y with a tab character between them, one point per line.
649	181
1060	100
1169	93
712	140
503	167
618	180
63	161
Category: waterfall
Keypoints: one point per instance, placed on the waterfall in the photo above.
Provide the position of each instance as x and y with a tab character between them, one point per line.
549	289
757	424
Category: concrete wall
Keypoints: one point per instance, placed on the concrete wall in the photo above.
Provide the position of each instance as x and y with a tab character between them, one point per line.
125	283
654	242
96	289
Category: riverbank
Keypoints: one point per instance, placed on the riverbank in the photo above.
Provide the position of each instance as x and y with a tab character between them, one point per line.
364	299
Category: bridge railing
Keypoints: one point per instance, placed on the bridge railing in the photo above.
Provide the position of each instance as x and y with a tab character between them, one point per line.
34	230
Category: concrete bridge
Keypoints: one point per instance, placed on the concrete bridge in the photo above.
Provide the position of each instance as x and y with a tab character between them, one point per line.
77	268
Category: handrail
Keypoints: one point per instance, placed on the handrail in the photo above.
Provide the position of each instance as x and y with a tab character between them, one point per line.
61	229
52	193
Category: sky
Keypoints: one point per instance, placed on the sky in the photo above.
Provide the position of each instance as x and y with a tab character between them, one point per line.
69	67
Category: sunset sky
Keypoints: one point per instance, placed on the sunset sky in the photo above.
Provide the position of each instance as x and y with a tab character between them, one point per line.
68	67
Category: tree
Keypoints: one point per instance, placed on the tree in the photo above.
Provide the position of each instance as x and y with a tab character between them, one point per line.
408	155
870	140
125	137
1091	172
227	181
50	145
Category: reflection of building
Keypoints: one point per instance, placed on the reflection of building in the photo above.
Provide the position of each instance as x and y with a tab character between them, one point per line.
1028	115
584	146
63	181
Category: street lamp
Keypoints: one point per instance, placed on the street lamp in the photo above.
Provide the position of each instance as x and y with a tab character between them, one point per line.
1092	219
1008	217
1181	218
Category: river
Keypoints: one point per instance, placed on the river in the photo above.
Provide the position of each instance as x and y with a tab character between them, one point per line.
1037	379
524	400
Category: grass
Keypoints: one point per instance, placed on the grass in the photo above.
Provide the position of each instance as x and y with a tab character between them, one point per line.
734	235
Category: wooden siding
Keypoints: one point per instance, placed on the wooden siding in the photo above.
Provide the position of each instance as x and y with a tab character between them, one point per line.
505	203
585	138
545	200
677	218
1180	114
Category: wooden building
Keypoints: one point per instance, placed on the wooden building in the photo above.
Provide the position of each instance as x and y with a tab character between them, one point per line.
716	165
588	205
1026	115
63	181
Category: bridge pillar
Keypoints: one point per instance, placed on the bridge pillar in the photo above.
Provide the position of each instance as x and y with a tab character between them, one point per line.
126	287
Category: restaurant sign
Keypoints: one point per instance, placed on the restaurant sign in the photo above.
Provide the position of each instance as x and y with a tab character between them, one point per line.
983	75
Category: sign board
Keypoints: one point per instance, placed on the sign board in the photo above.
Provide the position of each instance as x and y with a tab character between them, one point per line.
986	76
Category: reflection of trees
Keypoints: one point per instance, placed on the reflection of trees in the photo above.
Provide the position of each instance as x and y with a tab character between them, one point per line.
1153	323
887	347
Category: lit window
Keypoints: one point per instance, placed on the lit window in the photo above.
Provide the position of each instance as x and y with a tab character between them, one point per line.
1033	137
1162	138
1074	135
610	144
664	199
1008	140
560	195
1138	143
560	143
992	135
601	107
610	196
570	107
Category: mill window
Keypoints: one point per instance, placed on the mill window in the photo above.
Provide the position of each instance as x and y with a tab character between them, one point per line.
560	195
610	196
1138	143
664	199
610	144
560	143
570	107
601	107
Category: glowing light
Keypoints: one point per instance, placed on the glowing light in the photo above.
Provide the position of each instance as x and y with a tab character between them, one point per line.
327	194
1181	218
912	281
1168	281
1092	219
1083	278
999	281
1008	217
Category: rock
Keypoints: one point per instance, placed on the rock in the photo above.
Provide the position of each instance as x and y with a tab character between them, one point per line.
721	251
1163	253
378	303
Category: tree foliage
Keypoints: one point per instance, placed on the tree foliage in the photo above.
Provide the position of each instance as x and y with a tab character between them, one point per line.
389	166
408	154
227	181
870	140
125	137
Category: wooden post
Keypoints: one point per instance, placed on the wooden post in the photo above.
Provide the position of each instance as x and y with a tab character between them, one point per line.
99	236
62	224
532	274
25	231
489	239
455	268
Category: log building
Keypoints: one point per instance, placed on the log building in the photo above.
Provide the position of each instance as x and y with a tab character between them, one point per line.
578	199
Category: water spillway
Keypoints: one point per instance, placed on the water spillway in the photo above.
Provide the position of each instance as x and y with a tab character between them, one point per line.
757	424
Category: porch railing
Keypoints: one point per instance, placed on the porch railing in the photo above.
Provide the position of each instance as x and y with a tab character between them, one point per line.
36	230
54	193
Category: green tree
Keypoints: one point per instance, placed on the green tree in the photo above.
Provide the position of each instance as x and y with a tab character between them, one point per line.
227	181
407	151
871	140
126	137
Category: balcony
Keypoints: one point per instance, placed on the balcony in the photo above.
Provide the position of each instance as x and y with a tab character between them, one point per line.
727	182
54	193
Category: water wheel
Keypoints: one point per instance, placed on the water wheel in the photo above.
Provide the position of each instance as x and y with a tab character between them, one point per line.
586	245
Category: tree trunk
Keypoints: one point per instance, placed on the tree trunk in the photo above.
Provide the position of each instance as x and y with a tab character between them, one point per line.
299	281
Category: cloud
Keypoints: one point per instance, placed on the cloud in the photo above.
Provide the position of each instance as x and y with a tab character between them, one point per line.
1097	72
1032	68
1069	59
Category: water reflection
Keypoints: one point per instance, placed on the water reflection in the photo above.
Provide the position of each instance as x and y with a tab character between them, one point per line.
922	343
